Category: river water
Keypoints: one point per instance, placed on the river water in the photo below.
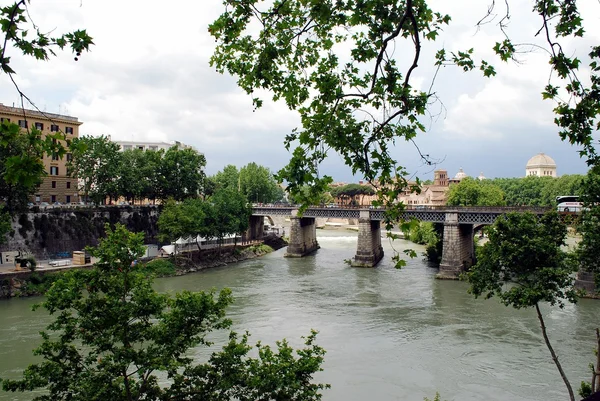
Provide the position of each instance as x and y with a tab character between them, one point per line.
389	334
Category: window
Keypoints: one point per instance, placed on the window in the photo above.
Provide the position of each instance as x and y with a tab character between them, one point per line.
54	156
140	147
53	128
23	123
39	126
68	130
126	147
155	148
54	141
69	157
68	184
54	170
53	197
38	198
68	200
53	184
2	119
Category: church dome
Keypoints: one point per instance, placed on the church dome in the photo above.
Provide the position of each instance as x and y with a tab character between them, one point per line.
460	175
541	160
481	176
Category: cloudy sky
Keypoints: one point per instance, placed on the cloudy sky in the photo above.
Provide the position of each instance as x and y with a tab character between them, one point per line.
148	78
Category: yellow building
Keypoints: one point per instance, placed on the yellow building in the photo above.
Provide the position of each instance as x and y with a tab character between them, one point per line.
56	186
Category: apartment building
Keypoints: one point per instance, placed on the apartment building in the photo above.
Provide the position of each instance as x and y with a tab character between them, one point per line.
147	145
56	186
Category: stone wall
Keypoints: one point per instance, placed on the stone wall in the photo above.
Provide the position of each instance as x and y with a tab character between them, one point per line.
51	231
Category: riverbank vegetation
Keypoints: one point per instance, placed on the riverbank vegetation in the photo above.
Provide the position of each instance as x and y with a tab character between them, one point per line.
525	191
428	234
115	338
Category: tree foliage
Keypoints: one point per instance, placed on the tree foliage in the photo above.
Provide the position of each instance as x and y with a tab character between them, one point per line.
95	162
538	191
588	248
225	212
258	184
524	265
115	338
296	56
473	192
347	194
18	32
105	172
181	173
254	181
347	67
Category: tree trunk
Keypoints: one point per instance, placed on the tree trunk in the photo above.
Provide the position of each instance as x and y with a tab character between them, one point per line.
554	357
596	369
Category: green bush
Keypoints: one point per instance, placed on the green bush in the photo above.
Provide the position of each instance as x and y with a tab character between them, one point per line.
38	284
262	248
425	234
159	267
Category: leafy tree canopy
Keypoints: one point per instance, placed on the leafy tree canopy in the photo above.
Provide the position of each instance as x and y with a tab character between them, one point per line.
473	192
589	247
347	67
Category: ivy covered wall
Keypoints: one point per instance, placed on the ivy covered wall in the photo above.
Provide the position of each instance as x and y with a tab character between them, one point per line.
48	232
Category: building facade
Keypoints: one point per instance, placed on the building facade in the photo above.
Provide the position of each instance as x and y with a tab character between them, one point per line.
147	145
57	186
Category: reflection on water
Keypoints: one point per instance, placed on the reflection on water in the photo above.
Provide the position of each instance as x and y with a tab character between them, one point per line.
389	334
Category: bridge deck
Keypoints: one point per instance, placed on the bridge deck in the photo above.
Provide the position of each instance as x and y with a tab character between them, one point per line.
435	214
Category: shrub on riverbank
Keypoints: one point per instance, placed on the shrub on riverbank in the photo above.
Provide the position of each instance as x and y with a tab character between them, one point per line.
260	249
159	268
425	233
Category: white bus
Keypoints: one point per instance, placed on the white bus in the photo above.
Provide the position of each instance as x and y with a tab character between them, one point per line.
568	204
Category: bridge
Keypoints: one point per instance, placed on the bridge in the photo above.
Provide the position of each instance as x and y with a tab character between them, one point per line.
458	247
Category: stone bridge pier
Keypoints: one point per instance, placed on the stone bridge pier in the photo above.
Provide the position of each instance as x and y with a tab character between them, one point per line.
303	236
256	229
368	249
458	253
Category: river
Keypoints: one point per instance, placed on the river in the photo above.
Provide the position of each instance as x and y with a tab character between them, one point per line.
389	334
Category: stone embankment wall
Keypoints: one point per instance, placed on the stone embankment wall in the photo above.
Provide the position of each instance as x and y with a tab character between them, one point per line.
51	231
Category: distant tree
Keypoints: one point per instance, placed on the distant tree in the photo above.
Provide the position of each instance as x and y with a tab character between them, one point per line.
232	212
209	186
21	166
132	182
115	338
181	173
348	193
258	184
323	198
150	172
228	178
95	163
427	182
588	248
472	192
523	264
537	191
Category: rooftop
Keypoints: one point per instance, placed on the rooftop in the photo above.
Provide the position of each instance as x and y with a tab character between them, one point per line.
34	113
